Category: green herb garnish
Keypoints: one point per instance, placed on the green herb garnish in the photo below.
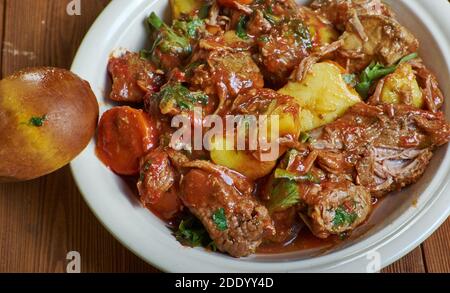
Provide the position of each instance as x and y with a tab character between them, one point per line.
300	32
270	17
220	219
284	174
241	30
38	121
204	11
376	71
343	217
264	39
167	39
189	28
304	137
155	21
175	97
284	195
145	54
191	232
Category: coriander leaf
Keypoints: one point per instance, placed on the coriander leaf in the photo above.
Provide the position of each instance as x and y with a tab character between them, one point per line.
193	26
38	121
190	232
241	31
284	195
189	28
343	217
284	174
174	97
220	219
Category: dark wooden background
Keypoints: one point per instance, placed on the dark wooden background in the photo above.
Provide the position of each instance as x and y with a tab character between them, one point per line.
42	220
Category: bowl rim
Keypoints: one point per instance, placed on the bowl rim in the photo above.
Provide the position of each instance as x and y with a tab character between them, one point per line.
392	242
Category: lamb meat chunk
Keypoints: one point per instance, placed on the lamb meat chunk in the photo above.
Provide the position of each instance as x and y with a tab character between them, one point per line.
336	208
385	147
386	170
133	77
224	203
225	74
377	38
282	50
156	185
340	12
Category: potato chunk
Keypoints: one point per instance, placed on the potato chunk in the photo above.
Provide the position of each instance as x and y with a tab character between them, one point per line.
184	7
257	102
401	87
240	161
323	95
322	33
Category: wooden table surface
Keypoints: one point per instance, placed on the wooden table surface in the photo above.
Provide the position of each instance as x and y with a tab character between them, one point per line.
42	220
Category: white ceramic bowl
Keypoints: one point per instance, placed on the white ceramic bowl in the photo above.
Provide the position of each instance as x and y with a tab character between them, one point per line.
399	224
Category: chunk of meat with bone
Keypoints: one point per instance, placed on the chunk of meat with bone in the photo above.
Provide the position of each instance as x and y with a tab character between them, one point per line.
340	12
224	203
375	37
336	208
388	146
133	77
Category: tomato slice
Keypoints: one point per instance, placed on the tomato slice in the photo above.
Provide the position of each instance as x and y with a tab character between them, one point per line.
124	136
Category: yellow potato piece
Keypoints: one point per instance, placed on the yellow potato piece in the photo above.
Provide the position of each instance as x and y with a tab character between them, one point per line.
323	95
224	153
239	161
180	7
322	33
289	119
401	87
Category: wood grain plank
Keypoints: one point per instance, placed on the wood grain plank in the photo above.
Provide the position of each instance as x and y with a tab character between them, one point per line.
44	219
2	23
411	263
437	250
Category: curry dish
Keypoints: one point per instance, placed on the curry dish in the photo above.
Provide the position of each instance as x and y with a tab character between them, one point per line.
359	117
